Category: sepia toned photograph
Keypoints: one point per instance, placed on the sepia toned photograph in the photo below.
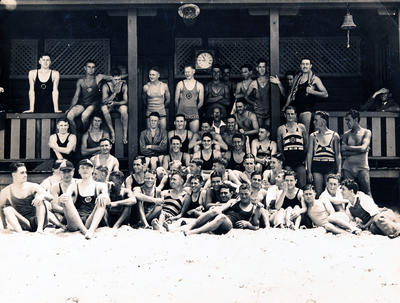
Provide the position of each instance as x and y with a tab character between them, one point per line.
199	151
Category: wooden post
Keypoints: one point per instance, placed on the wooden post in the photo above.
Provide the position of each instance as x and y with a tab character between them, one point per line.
398	35
133	131
274	69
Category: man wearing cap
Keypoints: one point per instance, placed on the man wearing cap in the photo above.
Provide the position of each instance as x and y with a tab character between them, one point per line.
85	201
67	172
104	158
22	203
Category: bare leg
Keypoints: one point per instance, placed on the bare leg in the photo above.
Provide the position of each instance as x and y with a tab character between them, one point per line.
305	118
318	182
123	109
125	214
194	126
364	181
86	116
40	216
153	163
334	229
265	217
204	218
155	213
108	119
74	112
212	225
288	214
301	176
11	218
94	220
163	122
279	218
74	221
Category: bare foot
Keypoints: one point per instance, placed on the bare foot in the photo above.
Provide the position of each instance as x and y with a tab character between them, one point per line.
112	137
89	235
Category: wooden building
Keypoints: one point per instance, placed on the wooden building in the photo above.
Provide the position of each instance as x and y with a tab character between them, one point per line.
143	33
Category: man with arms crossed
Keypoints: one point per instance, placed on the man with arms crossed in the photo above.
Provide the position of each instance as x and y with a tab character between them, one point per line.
355	146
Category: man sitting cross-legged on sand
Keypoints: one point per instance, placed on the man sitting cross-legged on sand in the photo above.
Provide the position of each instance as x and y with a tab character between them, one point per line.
121	198
363	209
85	201
322	214
236	213
22	203
172	201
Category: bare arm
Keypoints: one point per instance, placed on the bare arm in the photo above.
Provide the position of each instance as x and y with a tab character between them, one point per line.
338	156
321	92
310	154
55	93
31	77
252	86
65	150
360	148
84	149
75	98
279	139
201	95
167	95
254	124
177	94
124	96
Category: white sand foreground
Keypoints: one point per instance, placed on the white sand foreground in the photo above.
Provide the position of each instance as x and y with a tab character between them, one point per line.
244	266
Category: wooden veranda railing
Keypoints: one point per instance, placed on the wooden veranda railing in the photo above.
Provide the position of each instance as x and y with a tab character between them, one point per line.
26	136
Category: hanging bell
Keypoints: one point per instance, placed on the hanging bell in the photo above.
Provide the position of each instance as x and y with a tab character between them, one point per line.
348	24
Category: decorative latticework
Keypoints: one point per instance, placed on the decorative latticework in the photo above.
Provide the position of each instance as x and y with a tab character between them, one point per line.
24	57
70	55
329	56
238	51
184	53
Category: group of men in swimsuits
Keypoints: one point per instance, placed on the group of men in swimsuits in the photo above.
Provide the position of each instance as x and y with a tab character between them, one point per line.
220	173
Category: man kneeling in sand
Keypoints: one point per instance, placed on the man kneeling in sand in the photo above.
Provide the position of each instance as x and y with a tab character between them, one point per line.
85	201
323	214
22	203
236	213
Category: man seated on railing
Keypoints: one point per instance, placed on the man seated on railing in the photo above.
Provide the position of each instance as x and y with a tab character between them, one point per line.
115	98
381	101
87	95
22	203
153	142
43	94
